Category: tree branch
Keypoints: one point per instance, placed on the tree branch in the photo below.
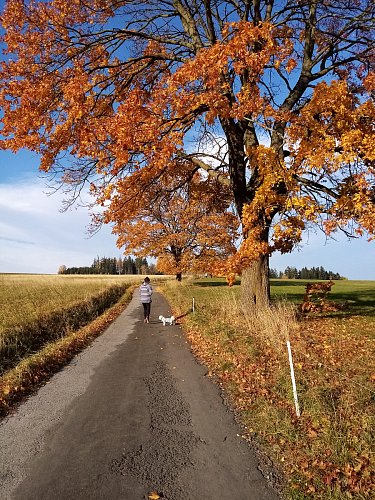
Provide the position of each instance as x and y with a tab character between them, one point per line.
211	171
316	186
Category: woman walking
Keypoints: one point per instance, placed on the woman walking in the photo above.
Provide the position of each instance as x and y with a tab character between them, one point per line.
145	292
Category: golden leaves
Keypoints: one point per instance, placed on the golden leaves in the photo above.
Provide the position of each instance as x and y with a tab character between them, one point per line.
291	64
369	81
329	130
153	496
204	80
187	229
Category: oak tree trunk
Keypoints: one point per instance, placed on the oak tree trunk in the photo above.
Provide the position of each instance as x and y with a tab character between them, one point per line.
255	285
178	276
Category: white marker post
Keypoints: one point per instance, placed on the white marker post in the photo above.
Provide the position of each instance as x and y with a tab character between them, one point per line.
193	305
293	379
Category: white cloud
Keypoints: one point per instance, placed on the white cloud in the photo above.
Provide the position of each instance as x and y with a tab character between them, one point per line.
35	237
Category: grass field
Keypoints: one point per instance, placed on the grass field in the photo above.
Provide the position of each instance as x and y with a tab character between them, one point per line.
360	295
328	452
24	297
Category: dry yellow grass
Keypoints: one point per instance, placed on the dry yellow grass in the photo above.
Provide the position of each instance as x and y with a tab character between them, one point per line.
24	297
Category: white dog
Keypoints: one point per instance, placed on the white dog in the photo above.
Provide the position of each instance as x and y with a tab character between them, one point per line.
171	320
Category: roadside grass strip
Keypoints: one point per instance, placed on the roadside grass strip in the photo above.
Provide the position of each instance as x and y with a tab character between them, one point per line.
327	452
23	339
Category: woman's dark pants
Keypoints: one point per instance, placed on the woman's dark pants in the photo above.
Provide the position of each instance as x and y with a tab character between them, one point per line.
146	309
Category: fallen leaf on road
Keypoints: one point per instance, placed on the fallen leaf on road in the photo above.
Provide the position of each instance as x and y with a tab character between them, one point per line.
153	496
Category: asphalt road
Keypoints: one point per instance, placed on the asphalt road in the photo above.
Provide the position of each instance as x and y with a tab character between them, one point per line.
134	413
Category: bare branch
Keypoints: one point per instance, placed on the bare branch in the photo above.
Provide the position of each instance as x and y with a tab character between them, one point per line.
211	171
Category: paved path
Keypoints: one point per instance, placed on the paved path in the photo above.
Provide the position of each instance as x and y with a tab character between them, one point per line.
134	413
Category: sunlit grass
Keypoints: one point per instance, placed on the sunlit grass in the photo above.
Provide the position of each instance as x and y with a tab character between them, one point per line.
24	297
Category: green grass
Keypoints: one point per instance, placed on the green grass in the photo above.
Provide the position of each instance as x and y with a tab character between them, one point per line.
360	295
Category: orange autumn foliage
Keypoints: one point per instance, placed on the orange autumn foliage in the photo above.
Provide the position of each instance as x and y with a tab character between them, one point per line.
274	103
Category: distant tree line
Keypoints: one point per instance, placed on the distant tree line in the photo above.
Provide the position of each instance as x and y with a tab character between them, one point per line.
315	273
111	265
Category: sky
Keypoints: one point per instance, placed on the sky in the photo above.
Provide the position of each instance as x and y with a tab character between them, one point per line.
37	237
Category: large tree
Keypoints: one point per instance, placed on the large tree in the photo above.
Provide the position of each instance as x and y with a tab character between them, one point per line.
272	98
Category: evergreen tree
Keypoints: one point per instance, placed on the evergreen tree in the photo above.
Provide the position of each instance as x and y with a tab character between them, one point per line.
273	274
314	273
111	265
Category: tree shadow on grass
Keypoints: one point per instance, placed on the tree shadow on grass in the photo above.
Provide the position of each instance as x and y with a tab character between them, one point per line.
183	315
215	283
290	283
361	302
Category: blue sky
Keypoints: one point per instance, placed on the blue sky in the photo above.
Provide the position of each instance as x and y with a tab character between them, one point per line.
36	237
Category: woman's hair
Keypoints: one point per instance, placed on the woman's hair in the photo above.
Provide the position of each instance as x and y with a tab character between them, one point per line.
147	279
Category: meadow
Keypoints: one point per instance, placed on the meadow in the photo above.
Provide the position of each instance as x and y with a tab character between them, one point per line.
25	297
327	452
